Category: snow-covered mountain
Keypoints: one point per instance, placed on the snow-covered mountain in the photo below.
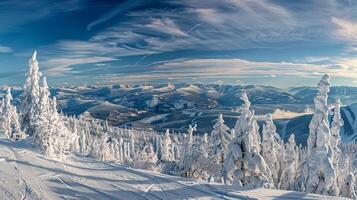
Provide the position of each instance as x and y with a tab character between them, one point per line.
27	174
300	125
176	106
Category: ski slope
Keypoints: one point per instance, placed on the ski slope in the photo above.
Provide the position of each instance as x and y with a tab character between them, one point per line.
25	174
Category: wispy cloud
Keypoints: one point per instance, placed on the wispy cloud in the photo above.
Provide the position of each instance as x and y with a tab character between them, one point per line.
167	26
119	9
346	29
60	66
314	59
5	49
240	67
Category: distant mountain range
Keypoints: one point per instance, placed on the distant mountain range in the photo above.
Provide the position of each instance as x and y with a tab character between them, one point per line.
175	106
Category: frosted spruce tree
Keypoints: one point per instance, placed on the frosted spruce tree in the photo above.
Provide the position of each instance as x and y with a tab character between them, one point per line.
337	123
220	139
347	187
104	150
166	153
189	138
243	164
321	174
201	164
188	160
9	119
340	160
147	158
271	146
121	150
51	135
31	97
82	142
289	165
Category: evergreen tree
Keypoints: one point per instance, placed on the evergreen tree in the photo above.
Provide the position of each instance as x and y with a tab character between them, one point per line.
271	145
31	97
321	175
52	136
166	153
188	160
220	139
336	125
147	158
289	165
9	119
243	164
348	189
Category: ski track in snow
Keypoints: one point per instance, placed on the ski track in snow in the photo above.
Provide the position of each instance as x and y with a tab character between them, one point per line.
25	174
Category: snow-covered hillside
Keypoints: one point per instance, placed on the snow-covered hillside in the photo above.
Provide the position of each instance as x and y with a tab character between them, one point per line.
26	174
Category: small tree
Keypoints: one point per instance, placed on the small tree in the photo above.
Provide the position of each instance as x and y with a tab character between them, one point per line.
166	153
347	187
243	164
220	139
9	120
188	161
289	166
271	145
336	125
52	136
147	158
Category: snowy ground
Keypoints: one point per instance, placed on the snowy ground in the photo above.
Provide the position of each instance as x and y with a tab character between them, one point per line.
24	174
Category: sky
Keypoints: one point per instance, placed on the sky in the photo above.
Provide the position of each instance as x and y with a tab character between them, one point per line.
266	42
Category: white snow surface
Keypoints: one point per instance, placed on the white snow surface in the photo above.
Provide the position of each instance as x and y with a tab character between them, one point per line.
26	174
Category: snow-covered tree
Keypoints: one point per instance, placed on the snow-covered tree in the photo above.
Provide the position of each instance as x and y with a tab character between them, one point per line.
201	164
166	153
31	97
2	103
82	142
115	149
187	160
132	144
9	119
336	125
246	123
121	150
321	175
147	158
220	139
103	146
347	186
51	135
271	146
243	164
289	165
176	148
189	138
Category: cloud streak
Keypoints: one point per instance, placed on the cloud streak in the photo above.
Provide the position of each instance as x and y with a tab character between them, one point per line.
240	67
346	30
119	9
5	49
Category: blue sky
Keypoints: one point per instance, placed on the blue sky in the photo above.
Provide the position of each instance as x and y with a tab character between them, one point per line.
269	42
